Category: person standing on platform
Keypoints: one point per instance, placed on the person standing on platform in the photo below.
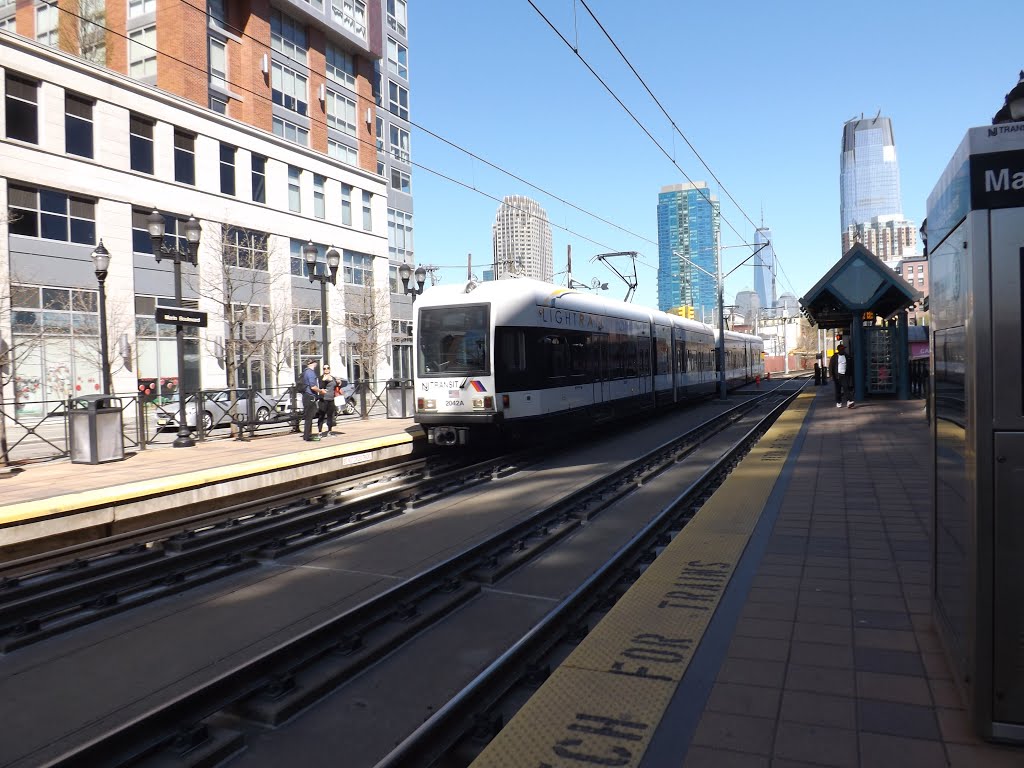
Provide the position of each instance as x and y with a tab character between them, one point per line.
326	411
310	392
841	369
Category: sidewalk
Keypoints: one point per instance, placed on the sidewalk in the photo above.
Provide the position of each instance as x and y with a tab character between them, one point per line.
834	660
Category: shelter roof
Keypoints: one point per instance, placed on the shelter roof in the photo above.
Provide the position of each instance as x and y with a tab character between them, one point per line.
858	282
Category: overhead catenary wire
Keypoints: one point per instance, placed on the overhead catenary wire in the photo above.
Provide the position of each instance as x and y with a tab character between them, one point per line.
676	129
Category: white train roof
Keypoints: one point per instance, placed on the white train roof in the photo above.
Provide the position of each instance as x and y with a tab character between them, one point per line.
520	297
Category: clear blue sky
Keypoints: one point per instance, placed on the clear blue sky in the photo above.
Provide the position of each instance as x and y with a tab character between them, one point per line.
760	89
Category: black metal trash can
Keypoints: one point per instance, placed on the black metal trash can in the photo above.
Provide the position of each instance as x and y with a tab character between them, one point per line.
95	429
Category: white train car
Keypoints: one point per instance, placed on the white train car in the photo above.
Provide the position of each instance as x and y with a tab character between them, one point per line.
511	355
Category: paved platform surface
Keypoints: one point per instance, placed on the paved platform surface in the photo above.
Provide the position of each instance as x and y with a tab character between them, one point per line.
822	650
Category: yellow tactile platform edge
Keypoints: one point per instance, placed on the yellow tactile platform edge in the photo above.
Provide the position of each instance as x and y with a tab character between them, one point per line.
603	704
28	511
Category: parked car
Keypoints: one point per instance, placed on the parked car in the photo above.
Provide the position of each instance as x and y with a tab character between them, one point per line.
218	409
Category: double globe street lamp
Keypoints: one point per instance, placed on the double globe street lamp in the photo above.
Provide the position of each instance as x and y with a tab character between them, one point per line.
157	227
310	253
405	272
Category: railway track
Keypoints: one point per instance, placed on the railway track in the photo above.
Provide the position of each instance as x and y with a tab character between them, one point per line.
45	595
209	721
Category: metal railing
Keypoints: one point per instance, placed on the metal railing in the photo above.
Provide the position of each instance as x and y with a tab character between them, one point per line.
38	431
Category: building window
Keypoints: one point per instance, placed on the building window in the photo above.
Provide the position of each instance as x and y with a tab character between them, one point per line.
399	143
341	67
401	181
346	204
294	189
341	113
380	134
138	8
291	132
9	24
22	109
398	59
245	248
288	88
393	282
398	16
259	179
140	141
351	15
184	157
288	36
46	24
398	100
380	168
52	215
77	125
142	52
217	10
357	268
92	31
319	204
218	63
218	104
920	281
367	211
227	169
399	235
57	332
342	152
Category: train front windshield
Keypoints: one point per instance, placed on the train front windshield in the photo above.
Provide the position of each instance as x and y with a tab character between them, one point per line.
453	341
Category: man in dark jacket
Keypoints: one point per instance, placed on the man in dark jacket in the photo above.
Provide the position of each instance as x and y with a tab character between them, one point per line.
840	367
310	392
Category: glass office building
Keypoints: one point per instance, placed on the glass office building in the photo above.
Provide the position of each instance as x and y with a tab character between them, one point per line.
868	172
688	226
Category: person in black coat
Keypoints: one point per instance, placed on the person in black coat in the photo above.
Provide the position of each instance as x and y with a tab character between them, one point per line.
840	367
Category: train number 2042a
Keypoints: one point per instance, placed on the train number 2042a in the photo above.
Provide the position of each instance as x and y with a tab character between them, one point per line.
453	403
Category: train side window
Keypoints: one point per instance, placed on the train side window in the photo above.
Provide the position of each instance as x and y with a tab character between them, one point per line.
512	350
557	353
578	356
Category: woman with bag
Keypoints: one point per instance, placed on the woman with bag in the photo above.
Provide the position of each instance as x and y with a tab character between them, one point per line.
325	413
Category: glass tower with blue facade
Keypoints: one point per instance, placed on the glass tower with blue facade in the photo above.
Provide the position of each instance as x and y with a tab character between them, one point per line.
869	175
688	225
764	267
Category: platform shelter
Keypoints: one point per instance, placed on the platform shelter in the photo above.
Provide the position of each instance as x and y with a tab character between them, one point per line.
867	302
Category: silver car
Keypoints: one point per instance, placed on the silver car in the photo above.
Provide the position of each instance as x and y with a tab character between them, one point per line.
218	409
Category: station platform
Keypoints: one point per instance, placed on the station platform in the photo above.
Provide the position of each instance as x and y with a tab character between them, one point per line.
788	625
47	506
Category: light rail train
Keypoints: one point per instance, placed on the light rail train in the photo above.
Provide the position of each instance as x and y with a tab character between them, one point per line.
512	356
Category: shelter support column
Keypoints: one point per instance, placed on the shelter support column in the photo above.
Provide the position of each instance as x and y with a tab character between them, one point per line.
860	358
902	357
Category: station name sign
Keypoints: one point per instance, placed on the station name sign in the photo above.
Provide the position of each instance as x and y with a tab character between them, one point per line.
178	316
997	180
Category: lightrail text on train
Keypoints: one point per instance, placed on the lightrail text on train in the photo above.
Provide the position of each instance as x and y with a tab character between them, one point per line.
509	356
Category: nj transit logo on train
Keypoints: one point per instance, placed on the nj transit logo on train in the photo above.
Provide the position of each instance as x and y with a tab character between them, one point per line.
454	386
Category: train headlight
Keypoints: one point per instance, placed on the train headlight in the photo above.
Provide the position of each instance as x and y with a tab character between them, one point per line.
425	404
483	403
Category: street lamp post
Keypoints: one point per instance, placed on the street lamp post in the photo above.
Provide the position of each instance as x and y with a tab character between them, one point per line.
156	226
405	272
101	260
309	253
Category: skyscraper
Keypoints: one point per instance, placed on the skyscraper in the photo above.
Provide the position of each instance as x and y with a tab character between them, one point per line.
688	230
869	178
521	235
764	267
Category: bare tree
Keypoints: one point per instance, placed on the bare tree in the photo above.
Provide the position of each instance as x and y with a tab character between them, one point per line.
242	285
368	325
